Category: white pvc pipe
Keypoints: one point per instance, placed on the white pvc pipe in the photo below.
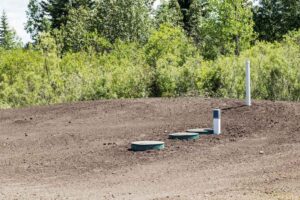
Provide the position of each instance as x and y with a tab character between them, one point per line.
248	84
217	121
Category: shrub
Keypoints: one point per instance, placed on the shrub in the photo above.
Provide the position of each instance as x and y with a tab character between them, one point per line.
169	63
24	79
30	77
275	73
173	59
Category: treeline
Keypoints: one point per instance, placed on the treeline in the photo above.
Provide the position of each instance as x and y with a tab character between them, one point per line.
87	50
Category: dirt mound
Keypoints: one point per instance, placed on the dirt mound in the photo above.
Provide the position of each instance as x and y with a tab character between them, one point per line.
80	151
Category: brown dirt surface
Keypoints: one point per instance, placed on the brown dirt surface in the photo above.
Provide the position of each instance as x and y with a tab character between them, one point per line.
81	151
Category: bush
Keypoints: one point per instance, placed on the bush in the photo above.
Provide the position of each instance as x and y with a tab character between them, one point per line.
24	79
174	60
35	77
275	73
169	63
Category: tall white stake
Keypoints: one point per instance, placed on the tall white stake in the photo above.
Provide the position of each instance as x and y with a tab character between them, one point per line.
248	84
217	121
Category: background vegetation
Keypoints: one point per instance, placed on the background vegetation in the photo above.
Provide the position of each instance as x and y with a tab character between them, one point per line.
88	50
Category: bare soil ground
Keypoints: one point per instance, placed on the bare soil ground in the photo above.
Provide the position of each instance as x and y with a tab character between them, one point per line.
80	151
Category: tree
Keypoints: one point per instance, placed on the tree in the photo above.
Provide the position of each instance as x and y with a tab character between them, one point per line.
217	27
185	13
191	9
8	39
36	21
58	10
275	18
53	16
127	20
167	50
169	13
227	28
79	35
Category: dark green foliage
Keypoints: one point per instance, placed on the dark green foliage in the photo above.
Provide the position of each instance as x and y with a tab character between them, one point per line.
191	11
79	23
58	10
78	35
275	18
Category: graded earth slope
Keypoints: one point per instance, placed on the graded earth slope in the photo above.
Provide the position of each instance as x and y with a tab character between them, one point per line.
81	151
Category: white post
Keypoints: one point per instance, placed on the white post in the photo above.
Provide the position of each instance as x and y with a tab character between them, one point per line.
248	84
217	121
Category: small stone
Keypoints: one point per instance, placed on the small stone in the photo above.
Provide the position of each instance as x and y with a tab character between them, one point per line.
261	152
25	134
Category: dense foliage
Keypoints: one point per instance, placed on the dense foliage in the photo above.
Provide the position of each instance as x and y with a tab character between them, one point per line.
41	77
169	61
88	50
128	20
275	18
275	73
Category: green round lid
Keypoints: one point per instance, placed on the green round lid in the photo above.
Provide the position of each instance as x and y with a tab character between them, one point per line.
147	145
184	136
201	131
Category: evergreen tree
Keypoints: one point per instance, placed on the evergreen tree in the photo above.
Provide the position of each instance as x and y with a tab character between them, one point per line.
58	10
275	18
8	38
